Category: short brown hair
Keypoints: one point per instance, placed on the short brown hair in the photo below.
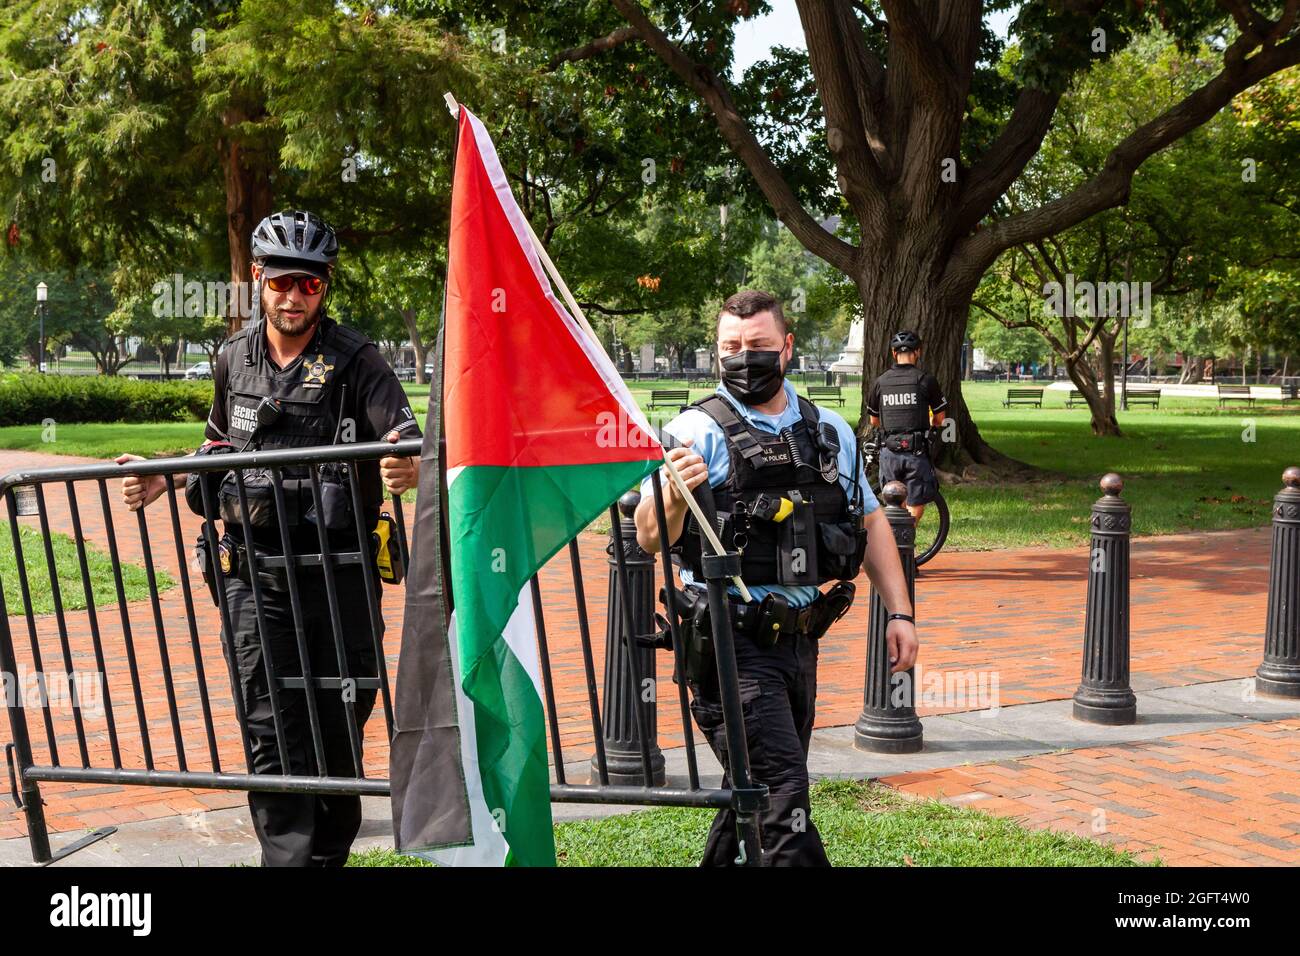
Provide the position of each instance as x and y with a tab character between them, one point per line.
751	302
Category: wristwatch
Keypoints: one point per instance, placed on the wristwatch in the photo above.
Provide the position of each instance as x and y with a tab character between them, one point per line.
901	617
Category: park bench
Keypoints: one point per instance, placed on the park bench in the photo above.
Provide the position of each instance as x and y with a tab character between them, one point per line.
1290	391
1144	396
1024	396
1235	393
669	396
1074	398
825	393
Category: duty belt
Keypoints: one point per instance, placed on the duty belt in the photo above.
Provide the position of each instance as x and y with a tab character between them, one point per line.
795	621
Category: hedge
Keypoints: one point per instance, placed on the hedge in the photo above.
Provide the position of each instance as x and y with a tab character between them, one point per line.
28	398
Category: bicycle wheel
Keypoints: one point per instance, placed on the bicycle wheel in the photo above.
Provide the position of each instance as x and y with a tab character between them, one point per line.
932	529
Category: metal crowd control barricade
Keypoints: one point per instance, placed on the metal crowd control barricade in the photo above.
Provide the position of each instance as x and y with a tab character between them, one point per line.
163	716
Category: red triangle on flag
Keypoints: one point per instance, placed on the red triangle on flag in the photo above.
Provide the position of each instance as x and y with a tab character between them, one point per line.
524	384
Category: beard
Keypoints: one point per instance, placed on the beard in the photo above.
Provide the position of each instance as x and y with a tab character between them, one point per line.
291	327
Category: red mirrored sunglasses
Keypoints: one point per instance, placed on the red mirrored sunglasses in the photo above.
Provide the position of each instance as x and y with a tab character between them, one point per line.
309	285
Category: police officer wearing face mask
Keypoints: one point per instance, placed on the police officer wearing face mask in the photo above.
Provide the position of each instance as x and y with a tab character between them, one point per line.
902	404
292	378
786	480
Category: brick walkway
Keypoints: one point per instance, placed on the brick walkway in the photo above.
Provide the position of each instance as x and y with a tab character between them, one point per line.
1225	798
1014	616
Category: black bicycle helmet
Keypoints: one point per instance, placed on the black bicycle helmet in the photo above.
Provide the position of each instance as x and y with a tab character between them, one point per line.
905	341
297	237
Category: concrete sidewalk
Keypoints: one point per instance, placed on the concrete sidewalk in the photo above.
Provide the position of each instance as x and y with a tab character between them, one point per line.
1033	762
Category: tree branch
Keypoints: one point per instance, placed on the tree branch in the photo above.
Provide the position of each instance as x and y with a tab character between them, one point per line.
829	29
1249	22
865	9
1004	160
912	35
597	307
1110	187
594	48
740	137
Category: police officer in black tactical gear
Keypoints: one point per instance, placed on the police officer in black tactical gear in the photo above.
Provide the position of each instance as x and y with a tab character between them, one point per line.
903	403
293	377
786	481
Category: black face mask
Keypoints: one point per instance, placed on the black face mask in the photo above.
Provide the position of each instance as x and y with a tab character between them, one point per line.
752	377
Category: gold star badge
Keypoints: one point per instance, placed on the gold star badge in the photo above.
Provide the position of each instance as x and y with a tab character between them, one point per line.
318	370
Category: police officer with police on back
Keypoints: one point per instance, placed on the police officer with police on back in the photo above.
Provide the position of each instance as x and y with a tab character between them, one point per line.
294	378
788	487
903	403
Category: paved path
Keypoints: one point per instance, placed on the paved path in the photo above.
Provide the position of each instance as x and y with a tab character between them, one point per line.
1009	622
1207	775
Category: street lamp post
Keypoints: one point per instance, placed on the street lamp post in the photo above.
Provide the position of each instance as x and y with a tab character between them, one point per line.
42	292
1123	374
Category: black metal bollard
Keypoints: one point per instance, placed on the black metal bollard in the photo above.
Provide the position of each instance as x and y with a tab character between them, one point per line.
622	742
888	723
1279	675
1104	695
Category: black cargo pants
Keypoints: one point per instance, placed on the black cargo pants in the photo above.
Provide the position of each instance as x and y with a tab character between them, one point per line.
303	829
778	692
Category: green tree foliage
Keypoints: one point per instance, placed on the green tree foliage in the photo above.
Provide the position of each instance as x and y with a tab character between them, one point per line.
1196	218
139	135
899	118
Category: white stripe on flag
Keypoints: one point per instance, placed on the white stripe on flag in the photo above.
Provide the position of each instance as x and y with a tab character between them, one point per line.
489	844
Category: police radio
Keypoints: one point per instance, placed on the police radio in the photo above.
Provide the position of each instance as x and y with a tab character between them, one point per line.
268	413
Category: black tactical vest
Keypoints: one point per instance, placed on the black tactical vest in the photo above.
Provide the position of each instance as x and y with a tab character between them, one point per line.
782	506
309	398
902	405
311	408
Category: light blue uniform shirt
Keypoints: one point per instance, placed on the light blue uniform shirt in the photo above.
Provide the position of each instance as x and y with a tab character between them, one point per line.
710	443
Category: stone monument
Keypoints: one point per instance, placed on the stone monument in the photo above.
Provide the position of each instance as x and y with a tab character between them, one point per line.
850	360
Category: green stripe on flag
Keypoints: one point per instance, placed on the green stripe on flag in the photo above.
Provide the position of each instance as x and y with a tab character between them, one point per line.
506	523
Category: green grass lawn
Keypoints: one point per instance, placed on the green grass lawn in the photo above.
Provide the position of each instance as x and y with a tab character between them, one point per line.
106	439
1186	465
862	824
67	568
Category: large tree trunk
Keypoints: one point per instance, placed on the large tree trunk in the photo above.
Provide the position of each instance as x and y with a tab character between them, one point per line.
248	202
896	295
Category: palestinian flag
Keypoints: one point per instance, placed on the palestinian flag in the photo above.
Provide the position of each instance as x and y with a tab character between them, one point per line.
541	436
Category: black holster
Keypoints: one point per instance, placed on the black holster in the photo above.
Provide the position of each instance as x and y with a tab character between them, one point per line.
696	631
832	606
207	567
